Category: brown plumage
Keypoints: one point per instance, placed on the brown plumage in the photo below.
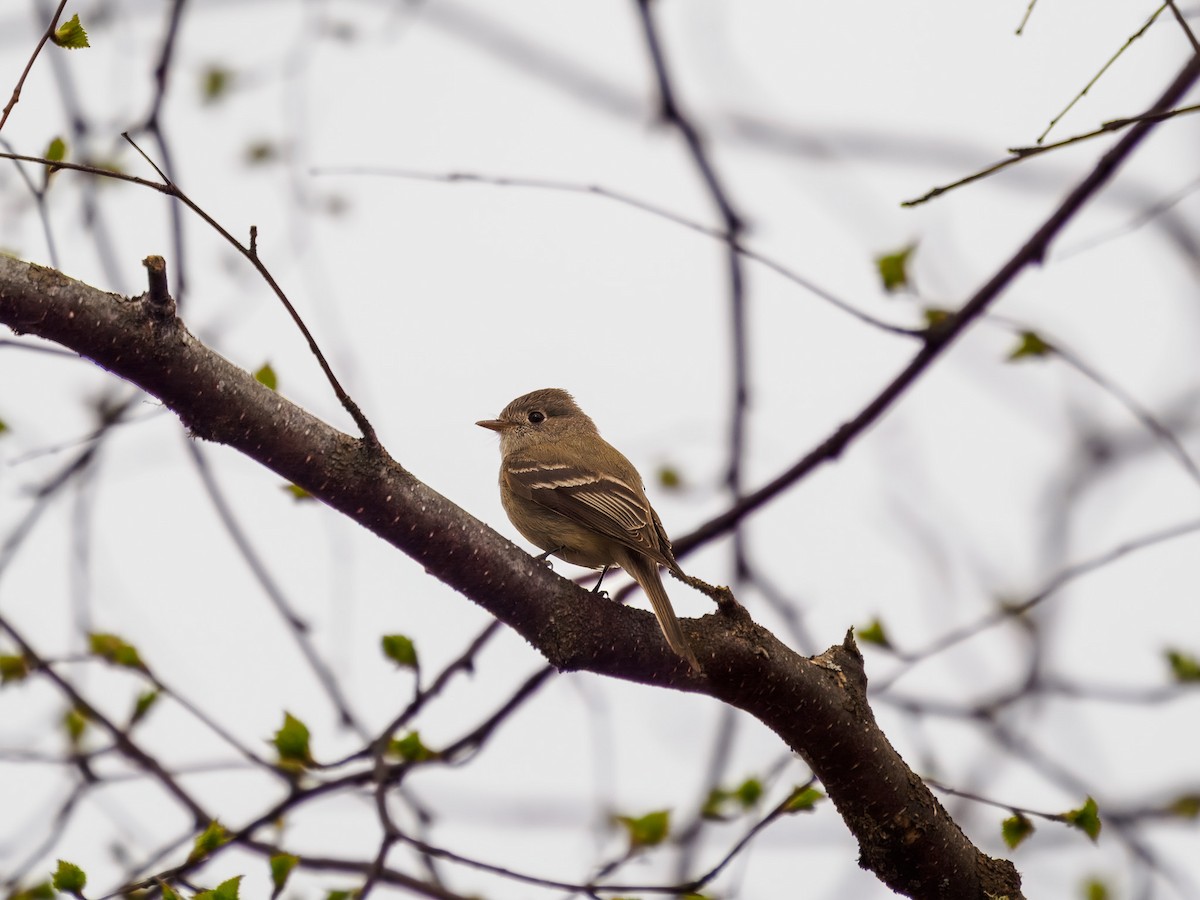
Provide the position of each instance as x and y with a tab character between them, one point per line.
577	497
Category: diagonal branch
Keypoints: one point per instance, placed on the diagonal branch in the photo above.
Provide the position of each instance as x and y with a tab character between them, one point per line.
818	707
940	337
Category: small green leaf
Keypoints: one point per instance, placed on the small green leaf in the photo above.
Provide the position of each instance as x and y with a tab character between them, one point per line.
400	649
211	838
69	878
722	804
214	83
291	742
145	701
41	891
873	633
1186	806
649	830
281	868
893	268
56	150
339	895
714	805
670	478
168	892
410	749
749	792
70	35
1086	819
226	890
261	152
3	426
115	650
935	316
266	376
1015	829
1184	666
13	668
298	493
1095	889
75	724
1030	346
804	798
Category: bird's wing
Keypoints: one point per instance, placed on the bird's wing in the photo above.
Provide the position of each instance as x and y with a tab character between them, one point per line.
605	503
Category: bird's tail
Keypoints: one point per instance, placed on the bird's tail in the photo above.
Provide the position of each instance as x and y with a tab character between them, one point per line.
645	572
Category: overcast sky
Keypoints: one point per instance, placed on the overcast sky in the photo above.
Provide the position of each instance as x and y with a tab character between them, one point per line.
439	302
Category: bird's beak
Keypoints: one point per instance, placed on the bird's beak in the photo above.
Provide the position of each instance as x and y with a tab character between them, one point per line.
494	424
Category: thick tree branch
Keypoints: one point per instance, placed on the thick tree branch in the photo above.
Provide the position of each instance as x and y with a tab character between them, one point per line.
818	707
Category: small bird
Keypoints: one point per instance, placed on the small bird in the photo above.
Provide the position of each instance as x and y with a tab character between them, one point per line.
577	497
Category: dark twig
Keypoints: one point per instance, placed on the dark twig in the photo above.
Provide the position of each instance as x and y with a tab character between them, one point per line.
46	35
169	187
39	200
159	296
1165	436
1014	611
470	743
607	193
1183	23
942	336
1112	59
732	229
153	125
296	626
121	738
166	186
1023	153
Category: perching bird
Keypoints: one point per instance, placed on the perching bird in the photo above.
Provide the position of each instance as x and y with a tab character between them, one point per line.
577	497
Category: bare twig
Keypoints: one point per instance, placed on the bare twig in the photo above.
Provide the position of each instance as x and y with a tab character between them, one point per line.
595	190
943	335
46	35
1023	153
1112	59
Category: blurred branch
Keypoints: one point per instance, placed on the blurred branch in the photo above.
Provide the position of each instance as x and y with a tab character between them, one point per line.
294	625
596	190
940	337
1183	24
733	226
1014	611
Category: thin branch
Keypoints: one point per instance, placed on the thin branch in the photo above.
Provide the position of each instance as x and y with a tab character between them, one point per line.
1022	153
295	626
595	190
732	228
46	35
1183	23
169	187
1087	87
1025	18
1167	437
124	742
940	337
1014	611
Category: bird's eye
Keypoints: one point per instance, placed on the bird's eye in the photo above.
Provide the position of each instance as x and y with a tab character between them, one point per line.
537	417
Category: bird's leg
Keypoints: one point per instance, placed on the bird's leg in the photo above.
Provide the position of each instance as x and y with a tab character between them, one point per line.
545	557
600	580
